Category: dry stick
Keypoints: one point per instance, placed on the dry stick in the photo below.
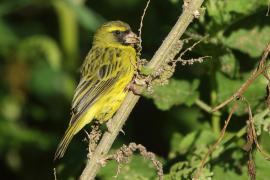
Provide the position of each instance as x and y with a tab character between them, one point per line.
140	28
141	22
93	164
261	150
261	69
213	147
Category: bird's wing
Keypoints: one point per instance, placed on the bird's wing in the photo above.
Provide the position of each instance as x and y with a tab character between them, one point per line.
100	72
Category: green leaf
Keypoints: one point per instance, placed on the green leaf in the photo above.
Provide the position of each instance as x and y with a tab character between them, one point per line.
262	121
138	168
174	144
175	93
229	65
226	86
250	41
226	12
262	167
196	139
255	94
223	172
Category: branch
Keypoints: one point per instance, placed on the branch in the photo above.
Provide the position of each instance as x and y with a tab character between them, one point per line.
117	122
258	71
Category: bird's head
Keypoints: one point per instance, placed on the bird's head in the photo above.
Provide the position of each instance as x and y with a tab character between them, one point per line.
115	33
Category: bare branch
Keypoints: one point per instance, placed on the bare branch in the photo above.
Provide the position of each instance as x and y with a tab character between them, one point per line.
141	22
258	71
254	135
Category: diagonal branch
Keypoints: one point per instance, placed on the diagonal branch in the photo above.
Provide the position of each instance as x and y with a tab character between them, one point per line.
257	72
190	10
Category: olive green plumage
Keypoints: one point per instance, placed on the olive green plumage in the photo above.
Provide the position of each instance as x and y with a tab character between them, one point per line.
105	74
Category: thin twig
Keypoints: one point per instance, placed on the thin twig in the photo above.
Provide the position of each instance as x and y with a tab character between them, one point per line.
192	60
130	101
139	47
141	22
192	47
261	150
258	71
217	143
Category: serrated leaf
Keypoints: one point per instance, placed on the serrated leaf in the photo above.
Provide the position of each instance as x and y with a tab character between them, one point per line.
226	86
261	121
254	94
224	12
229	64
138	169
228	173
220	173
250	41
174	144
196	139
175	93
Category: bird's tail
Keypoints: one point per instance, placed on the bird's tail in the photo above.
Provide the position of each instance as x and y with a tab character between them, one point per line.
71	131
62	147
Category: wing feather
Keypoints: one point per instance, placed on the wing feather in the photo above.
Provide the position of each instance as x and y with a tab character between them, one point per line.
99	74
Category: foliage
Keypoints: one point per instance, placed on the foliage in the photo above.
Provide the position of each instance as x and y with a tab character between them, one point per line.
42	44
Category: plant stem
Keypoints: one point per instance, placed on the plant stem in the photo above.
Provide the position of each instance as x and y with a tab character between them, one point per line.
94	163
215	119
206	107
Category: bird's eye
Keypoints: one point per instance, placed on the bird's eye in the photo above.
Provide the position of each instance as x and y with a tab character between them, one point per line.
117	32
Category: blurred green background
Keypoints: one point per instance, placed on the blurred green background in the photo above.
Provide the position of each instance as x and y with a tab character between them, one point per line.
44	42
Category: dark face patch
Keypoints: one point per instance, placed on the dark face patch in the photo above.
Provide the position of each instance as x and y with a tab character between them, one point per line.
120	36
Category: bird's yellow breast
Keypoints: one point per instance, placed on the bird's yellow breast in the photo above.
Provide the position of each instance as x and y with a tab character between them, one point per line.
110	102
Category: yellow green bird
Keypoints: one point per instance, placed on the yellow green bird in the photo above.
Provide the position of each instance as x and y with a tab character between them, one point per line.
105	74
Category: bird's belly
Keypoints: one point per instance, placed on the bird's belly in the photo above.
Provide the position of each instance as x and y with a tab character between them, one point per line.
111	102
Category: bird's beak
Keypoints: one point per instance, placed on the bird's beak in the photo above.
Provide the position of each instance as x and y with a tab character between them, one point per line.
131	38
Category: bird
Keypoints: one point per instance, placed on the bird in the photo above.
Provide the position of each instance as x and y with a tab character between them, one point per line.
106	73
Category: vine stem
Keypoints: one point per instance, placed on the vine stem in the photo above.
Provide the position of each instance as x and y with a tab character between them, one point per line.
190	10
